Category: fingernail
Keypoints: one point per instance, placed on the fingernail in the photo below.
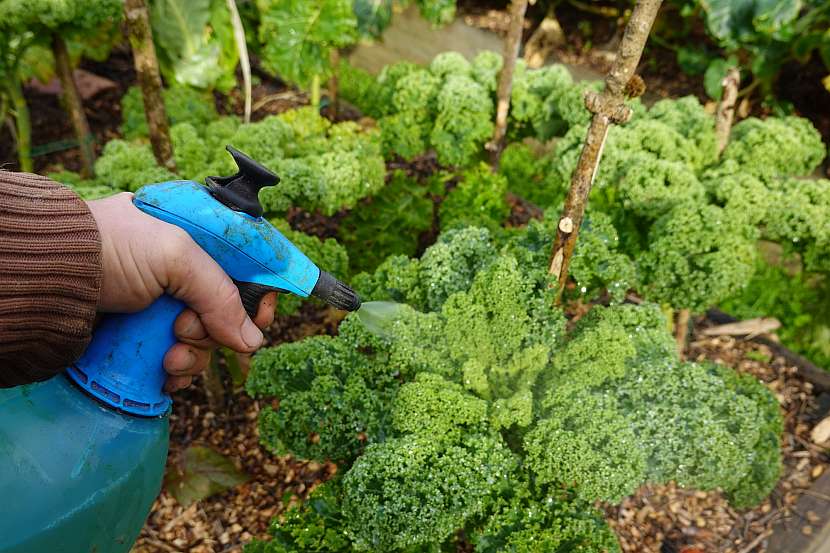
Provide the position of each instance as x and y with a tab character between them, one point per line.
251	334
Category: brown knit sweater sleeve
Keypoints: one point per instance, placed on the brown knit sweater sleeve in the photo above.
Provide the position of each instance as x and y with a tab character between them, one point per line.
50	277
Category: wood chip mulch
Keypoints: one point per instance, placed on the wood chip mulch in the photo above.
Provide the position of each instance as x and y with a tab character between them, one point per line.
657	519
669	519
225	522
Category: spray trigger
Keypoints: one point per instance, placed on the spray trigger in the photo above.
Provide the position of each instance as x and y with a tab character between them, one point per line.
240	192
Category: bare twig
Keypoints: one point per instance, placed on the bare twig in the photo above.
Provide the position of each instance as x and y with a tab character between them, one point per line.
756	542
726	108
244	62
608	107
147	70
511	52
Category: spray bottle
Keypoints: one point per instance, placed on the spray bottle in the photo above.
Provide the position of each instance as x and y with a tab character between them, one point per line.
82	455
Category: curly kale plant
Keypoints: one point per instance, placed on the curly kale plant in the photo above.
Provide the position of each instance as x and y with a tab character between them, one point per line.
333	399
182	105
390	222
127	166
775	147
479	413
698	255
648	417
442	107
477	201
414	490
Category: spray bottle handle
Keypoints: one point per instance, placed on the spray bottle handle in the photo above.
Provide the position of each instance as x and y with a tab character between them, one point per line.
123	365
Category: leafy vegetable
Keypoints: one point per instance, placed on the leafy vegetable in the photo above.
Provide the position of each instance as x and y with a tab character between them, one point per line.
477	201
195	42
182	105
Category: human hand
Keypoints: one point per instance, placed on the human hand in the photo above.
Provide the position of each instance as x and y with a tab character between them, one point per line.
144	257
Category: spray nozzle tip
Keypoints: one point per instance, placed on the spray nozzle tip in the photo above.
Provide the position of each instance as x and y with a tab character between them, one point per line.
335	293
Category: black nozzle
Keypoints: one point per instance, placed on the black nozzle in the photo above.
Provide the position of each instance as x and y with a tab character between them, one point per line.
240	192
335	293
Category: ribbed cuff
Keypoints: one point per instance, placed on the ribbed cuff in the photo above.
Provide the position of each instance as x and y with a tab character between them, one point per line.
50	277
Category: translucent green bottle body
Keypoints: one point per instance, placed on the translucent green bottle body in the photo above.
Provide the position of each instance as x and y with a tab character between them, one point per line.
75	476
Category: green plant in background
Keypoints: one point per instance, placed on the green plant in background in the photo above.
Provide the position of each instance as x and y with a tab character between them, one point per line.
37	32
770	33
389	222
195	43
477	201
697	257
798	300
181	103
12	101
298	39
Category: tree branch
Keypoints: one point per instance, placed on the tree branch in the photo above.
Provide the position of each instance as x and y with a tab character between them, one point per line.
147	70
726	108
608	107
505	88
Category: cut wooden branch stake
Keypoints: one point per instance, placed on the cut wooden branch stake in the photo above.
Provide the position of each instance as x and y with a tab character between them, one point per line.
726	107
149	79
505	87
681	330
244	62
72	104
608	107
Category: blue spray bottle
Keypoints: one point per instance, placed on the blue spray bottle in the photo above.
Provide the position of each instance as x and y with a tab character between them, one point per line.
82	455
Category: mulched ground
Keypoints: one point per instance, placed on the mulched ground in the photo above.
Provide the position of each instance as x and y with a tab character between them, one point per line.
657	519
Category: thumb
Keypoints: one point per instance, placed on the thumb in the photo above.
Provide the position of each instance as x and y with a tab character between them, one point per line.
196	279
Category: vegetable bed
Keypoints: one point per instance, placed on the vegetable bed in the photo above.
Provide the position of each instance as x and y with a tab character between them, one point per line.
656	519
532	391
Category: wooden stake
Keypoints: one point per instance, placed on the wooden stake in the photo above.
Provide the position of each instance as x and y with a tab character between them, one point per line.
147	70
505	88
726	107
244	62
73	105
608	107
681	330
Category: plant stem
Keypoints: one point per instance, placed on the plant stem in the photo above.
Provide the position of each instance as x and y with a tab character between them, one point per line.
244	62
23	123
147	70
73	105
547	37
315	92
608	107
332	84
214	387
726	108
509	55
